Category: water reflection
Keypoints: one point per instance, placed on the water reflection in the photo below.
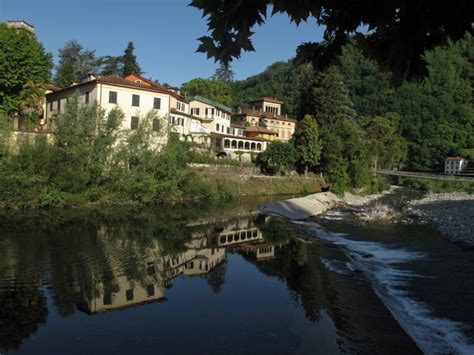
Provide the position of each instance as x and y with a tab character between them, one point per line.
98	262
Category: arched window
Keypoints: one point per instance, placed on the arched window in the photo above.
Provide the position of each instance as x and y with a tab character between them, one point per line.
234	144
252	146
241	145
229	238
259	147
226	143
247	145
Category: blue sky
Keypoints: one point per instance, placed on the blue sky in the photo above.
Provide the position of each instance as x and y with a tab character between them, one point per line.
164	33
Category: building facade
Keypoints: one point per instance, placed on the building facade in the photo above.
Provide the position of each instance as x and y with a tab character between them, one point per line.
266	112
454	165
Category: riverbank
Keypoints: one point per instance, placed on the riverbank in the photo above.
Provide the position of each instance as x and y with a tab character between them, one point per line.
450	213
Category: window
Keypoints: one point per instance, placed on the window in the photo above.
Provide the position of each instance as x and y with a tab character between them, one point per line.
112	97
222	129
195	111
228	130
156	124
107	299
150	290
136	100
156	103
59	105
138	82
134	123
217	127
87	97
51	105
129	294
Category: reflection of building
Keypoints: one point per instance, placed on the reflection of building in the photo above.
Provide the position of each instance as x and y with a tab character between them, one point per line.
261	251
123	293
156	269
151	277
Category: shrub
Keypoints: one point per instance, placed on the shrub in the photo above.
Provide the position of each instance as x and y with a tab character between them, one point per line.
278	158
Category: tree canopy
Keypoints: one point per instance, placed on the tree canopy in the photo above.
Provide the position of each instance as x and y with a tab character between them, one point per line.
224	73
215	90
75	63
129	60
308	145
398	31
23	65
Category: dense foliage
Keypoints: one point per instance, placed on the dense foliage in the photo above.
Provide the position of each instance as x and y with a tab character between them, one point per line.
308	145
24	68
278	80
93	160
399	31
76	62
216	90
278	158
129	61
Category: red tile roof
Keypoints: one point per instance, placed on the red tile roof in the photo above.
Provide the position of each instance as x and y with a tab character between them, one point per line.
454	158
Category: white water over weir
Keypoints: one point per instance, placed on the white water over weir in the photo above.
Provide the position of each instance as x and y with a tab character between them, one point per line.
382	267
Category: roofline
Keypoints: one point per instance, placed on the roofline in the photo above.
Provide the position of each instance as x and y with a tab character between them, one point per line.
29	24
261	114
269	99
209	102
131	86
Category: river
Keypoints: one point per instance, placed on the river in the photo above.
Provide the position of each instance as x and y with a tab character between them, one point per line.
197	279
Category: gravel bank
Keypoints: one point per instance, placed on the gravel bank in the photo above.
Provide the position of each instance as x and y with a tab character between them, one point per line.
451	213
353	200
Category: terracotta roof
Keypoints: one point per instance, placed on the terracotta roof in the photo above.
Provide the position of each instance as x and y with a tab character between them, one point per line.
118	81
259	129
454	158
263	114
268	99
121	81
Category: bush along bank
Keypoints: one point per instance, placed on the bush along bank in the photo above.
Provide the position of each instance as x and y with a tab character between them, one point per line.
94	161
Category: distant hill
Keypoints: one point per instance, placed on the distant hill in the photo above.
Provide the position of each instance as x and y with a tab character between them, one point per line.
277	80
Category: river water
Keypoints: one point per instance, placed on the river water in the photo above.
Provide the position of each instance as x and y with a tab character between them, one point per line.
198	279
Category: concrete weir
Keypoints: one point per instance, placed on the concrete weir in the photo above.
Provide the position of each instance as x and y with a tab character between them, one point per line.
303	207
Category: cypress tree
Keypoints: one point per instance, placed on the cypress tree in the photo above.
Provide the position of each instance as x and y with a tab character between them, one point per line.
130	64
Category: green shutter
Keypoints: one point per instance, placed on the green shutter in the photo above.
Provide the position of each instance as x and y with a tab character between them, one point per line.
134	123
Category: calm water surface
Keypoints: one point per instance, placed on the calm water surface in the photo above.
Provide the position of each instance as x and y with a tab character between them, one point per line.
228	279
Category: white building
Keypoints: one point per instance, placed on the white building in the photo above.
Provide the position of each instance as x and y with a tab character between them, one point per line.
135	97
454	165
194	118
